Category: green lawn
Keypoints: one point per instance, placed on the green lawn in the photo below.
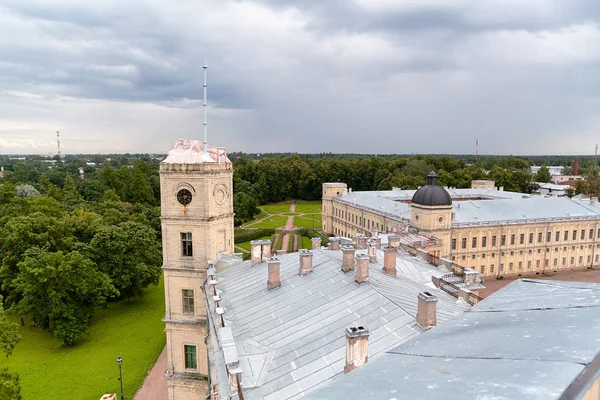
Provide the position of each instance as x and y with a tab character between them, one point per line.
309	207
306	243
271	222
277	208
246	245
131	329
307	222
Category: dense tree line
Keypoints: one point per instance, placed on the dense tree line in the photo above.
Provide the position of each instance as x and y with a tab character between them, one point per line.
271	179
68	245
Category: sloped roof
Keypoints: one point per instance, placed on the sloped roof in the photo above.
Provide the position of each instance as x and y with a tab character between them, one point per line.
291	339
532	339
190	152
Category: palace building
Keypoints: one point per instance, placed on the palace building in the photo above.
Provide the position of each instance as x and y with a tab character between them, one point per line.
495	232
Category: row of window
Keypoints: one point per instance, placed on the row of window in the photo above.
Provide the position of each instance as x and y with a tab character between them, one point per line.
357	219
513	238
555	263
521	252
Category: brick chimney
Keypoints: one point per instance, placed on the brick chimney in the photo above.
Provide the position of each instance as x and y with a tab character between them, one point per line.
335	243
372	250
362	268
266	249
576	166
394	241
348	258
306	258
273	279
361	242
316	243
256	252
389	261
357	346
426	311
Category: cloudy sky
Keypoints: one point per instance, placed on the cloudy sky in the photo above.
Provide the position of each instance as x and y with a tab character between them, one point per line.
368	76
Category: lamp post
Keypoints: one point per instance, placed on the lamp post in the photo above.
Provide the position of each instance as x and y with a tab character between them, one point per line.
120	361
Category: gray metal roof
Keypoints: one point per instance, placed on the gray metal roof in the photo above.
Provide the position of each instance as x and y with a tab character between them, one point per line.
514	209
291	339
530	340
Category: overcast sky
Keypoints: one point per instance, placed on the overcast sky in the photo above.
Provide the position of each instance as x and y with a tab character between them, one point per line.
362	76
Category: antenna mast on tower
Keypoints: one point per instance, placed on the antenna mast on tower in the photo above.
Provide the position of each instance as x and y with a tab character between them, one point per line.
58	142
476	148
204	105
596	157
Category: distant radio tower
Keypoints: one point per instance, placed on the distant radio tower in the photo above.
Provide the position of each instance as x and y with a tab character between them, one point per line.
476	148
596	157
58	142
205	105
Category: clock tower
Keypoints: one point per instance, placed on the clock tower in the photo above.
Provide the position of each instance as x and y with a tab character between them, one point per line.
196	184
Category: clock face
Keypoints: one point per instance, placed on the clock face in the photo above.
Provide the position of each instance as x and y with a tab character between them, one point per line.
184	196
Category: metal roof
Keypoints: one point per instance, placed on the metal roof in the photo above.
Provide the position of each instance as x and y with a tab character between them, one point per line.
530	340
291	339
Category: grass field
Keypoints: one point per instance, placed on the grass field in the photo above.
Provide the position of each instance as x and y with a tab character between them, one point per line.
276	208
307	222
309	207
306	243
131	329
275	221
246	245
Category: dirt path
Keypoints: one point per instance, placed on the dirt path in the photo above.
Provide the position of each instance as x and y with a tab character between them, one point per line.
243	250
288	225
586	275
155	384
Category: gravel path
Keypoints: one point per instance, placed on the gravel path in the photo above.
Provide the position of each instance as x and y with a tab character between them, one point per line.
155	384
289	225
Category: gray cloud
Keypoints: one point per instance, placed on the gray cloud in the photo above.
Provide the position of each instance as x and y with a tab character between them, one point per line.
375	76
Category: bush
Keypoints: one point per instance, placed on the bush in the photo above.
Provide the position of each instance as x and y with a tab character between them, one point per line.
311	234
253	235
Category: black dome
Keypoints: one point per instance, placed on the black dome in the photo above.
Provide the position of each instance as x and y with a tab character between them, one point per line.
432	194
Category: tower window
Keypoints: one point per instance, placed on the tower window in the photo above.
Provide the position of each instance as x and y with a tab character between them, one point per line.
190	357
186	244
188	301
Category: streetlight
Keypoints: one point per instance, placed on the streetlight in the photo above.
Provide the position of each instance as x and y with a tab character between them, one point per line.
119	361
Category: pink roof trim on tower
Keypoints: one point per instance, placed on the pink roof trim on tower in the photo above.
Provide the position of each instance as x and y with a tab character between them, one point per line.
190	152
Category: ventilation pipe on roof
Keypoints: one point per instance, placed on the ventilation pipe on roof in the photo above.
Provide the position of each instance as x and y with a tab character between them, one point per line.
316	243
335	243
393	241
372	249
426	311
273	279
389	261
348	258
362	268
593	200
306	259
357	346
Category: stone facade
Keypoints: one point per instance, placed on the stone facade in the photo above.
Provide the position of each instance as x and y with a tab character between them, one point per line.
527	249
192	235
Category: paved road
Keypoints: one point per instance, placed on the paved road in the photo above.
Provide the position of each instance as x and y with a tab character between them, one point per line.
289	225
155	385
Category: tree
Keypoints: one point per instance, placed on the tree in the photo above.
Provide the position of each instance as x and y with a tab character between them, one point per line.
543	175
10	389
61	290
129	254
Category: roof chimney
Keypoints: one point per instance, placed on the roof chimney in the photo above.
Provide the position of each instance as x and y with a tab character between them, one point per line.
273	279
362	268
348	258
255	251
335	243
305	262
389	261
357	345
393	241
316	243
593	200
377	240
576	166
361	242
426	311
372	249
266	249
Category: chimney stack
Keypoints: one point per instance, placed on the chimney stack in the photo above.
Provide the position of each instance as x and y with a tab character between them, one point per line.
362	268
394	241
426	311
266	249
576	166
389	261
256	253
372	250
305	262
593	200
316	243
273	279
335	243
357	346
361	242
348	258
377	240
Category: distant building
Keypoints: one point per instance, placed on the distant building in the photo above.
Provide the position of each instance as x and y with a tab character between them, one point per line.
562	179
554	169
495	232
